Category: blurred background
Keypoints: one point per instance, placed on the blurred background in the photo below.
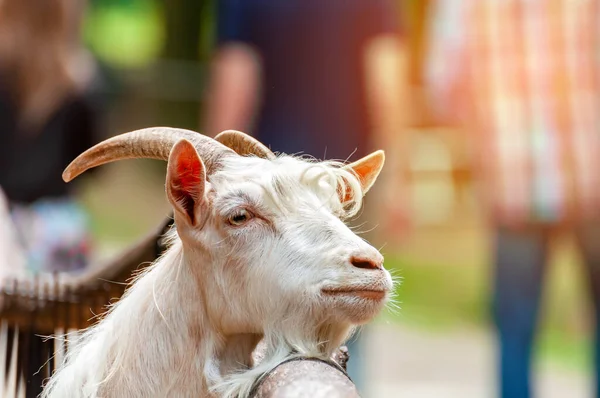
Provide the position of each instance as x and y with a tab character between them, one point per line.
154	66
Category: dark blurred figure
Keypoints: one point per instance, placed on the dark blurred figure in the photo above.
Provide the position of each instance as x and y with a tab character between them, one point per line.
308	76
523	78
294	73
47	117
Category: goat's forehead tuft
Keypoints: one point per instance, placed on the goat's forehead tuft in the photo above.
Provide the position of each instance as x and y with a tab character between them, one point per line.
288	177
283	172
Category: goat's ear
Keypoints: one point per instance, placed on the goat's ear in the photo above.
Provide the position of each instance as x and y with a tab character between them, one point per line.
186	180
367	169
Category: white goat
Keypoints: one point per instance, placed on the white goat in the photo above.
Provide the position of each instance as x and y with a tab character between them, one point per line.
259	252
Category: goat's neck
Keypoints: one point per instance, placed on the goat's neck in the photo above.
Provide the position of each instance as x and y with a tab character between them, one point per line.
169	341
156	341
237	352
173	328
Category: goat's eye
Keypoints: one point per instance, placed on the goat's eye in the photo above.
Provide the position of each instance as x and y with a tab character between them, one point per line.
240	217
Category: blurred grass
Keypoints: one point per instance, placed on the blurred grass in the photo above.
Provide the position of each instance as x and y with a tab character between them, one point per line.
125	34
442	297
125	201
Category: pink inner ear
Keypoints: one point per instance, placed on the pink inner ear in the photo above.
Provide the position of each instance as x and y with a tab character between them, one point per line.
187	185
189	173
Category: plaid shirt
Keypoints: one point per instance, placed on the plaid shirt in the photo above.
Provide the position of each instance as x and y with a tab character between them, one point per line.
523	75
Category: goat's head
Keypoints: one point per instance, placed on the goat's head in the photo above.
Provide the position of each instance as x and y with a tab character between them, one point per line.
263	234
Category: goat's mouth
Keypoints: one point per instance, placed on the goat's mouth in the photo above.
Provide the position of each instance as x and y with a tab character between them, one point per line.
364	293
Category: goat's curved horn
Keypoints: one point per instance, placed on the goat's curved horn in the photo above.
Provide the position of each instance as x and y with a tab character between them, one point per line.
149	143
243	144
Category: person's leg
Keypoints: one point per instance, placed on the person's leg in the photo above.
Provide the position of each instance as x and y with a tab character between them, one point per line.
520	259
588	238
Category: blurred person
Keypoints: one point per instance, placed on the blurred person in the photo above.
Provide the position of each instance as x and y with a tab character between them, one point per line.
311	77
522	78
47	117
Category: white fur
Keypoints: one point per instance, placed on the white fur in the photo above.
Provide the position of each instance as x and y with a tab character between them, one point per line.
189	323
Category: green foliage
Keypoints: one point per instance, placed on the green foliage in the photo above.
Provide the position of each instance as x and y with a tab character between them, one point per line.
125	34
438	295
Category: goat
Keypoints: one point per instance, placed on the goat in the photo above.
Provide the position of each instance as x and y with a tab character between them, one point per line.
259	251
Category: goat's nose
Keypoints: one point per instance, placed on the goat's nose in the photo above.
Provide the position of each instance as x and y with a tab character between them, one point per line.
367	262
